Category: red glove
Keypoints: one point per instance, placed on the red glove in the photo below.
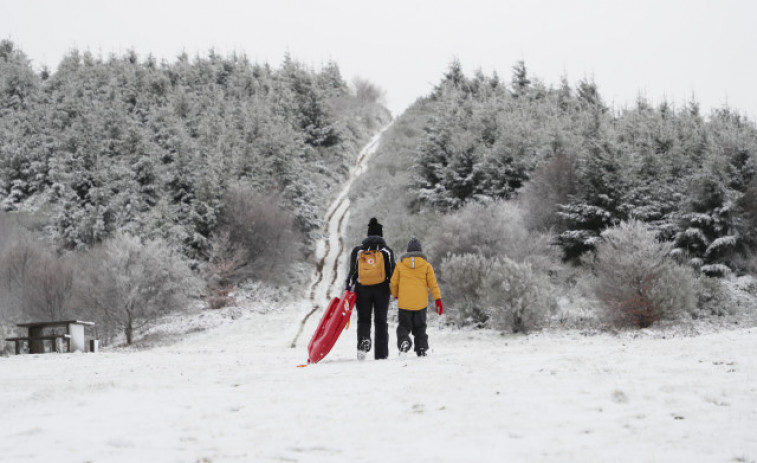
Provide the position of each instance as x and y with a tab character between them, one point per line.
439	307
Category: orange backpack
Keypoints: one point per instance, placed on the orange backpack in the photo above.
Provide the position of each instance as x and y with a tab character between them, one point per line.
370	268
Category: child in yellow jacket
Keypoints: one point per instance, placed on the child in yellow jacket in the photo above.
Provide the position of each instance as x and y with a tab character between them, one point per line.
411	281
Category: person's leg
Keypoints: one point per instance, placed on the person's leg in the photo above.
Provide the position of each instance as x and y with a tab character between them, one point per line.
364	307
381	325
404	327
419	331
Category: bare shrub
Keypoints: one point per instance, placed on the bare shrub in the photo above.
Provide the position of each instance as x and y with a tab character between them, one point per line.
226	263
636	280
367	92
126	285
48	288
256	239
38	282
746	262
551	184
497	292
11	231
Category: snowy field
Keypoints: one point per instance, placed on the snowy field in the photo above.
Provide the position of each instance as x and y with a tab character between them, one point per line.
234	393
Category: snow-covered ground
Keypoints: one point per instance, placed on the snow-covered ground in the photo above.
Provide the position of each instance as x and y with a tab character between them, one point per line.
234	393
231	391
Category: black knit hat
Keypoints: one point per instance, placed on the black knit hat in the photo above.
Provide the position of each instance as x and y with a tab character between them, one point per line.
414	245
375	228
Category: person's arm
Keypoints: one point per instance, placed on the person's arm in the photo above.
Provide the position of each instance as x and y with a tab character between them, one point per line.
388	261
394	284
352	273
432	284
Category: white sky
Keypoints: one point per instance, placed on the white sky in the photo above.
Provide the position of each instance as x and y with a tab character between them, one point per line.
662	48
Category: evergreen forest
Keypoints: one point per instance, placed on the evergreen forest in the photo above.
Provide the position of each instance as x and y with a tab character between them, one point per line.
132	188
526	193
228	164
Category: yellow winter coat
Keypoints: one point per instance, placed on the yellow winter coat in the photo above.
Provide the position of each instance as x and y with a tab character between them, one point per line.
412	278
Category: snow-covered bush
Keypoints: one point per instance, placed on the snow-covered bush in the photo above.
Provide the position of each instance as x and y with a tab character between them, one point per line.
712	297
491	230
516	298
637	281
462	277
127	285
495	292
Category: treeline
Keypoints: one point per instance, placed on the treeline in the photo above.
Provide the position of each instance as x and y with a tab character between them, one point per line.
526	191
182	153
691	178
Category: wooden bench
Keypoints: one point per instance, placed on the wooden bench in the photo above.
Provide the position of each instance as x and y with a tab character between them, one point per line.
40	332
58	346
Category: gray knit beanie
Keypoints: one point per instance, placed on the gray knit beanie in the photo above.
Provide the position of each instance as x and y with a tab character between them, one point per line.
414	245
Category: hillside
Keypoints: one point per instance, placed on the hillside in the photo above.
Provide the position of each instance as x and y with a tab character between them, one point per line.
212	170
224	386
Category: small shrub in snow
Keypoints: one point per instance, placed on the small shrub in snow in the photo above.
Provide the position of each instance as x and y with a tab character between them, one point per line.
712	297
462	279
497	292
636	281
220	297
516	299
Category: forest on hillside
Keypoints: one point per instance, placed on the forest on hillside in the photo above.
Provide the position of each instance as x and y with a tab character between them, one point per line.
525	193
129	186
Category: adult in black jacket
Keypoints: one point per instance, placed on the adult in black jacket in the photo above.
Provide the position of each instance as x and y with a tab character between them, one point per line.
373	299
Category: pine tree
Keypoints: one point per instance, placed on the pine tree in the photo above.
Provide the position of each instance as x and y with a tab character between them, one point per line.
521	84
708	236
598	204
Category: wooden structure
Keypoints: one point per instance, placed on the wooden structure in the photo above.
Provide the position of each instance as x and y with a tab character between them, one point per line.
70	332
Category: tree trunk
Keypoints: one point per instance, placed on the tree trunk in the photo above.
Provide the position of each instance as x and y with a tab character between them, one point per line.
129	330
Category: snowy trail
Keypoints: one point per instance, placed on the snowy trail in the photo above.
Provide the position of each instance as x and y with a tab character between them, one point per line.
329	252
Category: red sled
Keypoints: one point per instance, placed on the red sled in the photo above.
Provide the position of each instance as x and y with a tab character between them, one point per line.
335	319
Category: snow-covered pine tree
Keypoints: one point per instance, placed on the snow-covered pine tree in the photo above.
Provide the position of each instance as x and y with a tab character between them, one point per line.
520	82
601	184
707	235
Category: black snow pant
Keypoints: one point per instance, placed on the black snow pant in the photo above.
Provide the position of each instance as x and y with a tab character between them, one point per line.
412	321
373	300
